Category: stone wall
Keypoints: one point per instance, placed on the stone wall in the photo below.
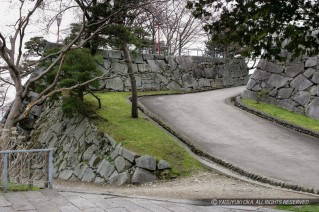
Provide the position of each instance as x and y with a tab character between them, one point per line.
81	153
293	86
159	72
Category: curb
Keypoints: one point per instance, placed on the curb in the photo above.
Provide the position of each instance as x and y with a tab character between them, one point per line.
238	103
223	163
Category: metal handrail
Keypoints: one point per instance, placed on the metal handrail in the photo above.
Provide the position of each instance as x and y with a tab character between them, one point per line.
5	153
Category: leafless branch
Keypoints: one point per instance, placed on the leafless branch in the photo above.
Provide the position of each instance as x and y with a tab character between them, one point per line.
42	98
4	97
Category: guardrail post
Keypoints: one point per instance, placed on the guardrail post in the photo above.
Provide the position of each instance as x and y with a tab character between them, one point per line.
50	168
46	169
5	172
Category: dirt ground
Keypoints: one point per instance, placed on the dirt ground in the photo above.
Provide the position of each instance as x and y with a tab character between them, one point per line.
208	184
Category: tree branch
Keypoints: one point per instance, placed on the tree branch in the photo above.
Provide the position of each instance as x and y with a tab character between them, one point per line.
40	99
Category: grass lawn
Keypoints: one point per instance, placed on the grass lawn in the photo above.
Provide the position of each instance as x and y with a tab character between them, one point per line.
141	135
20	187
291	117
304	208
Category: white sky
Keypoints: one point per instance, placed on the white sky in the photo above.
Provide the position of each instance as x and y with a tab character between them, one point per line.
38	26
9	13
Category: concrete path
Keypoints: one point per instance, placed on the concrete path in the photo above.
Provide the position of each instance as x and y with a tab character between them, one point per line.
235	136
53	201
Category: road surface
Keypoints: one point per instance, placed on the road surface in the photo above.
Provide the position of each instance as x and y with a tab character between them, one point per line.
256	145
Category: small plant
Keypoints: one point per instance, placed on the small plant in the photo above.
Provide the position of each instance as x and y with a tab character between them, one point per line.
261	94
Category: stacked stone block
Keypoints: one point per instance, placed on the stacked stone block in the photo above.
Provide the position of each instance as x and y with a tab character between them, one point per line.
159	72
292	85
81	153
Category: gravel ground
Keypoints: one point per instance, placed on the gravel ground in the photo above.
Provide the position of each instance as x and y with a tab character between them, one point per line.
208	184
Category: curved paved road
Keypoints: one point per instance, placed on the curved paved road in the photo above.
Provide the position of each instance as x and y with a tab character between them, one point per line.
235	136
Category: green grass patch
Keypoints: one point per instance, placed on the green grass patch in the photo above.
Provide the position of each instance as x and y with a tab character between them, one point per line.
304	208
20	187
141	135
290	117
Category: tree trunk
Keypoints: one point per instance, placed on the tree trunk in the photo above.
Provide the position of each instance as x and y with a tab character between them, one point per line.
17	104
14	113
180	46
128	61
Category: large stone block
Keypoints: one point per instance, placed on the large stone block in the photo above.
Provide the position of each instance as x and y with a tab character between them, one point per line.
189	81
211	73
138	80
146	162
284	93
273	92
309	72
302	98
120	179
171	62
247	94
79	170
257	87
314	90
172	85
88	175
185	63
105	169
199	72
162	78
300	83
260	75
141	176
116	152
115	84
143	68
216	83
311	62
87	155
287	104
65	174
202	83
277	80
107	64
313	108
114	54
274	68
154	66
295	69
251	83
270	100
121	164
130	156
119	68
315	78
148	56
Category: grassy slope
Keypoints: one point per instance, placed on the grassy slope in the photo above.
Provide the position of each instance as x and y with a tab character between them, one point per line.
285	115
141	135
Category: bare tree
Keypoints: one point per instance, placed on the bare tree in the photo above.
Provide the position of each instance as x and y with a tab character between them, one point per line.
173	22
11	52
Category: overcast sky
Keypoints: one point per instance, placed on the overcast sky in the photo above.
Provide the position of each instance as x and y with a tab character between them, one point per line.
9	15
38	26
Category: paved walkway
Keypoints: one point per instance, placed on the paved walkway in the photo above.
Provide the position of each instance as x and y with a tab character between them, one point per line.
242	139
53	201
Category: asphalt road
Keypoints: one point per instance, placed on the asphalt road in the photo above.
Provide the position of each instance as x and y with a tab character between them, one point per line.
235	136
